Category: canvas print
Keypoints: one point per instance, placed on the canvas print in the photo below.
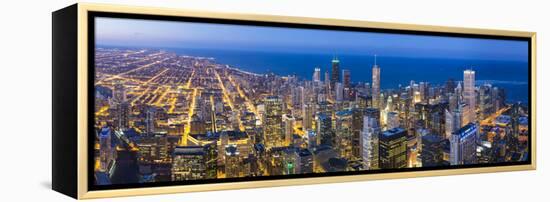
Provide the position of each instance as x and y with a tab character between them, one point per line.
197	102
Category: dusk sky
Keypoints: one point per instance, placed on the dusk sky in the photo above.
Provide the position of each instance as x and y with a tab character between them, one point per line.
169	34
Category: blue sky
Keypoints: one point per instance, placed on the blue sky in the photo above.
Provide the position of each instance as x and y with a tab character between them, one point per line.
169	34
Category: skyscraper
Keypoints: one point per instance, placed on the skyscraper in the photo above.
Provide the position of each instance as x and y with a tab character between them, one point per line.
119	92
233	162
288	122
197	125
393	148
392	120
344	136
123	112
105	149
432	150
327	80
307	116
499	98
317	75
335	72
273	127
485	101
469	94
375	85
189	163
339	91
356	128
453	121
369	135
312	139
324	129
463	145
306	161
346	78
423	90
374	113
150	119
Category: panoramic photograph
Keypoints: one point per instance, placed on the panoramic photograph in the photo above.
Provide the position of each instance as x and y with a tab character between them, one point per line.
183	101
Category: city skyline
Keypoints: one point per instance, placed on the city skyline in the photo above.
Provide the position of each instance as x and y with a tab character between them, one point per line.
163	115
338	129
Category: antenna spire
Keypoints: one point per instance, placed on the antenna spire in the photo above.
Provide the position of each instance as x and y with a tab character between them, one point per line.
375	59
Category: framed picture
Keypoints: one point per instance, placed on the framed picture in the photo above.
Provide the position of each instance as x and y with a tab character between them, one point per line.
151	100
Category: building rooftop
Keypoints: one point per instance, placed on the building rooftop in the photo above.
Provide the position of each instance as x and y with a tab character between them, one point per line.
231	150
432	138
344	113
503	120
467	130
105	132
393	131
189	150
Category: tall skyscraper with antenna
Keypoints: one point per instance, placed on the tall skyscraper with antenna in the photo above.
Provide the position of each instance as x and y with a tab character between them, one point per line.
375	84
335	72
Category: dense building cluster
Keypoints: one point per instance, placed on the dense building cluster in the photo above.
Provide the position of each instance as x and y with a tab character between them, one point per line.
161	117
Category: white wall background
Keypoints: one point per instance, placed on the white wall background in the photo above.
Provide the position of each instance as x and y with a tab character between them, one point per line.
25	99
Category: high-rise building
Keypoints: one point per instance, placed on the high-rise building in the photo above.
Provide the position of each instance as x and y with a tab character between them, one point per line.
324	129
273	127
123	112
393	148
211	160
119	92
463	145
125	169
153	148
392	120
339	91
105	149
375	85
369	135
298	96
344	135
450	86
189	163
317	75
307	116
284	161
150	113
356	128
469	94
423	91
233	162
374	113
464	111
453	101
197	125
306	161
453	121
432	150
346	78
327	82
312	139
485	101
499	98
288	122
433	116
335	72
